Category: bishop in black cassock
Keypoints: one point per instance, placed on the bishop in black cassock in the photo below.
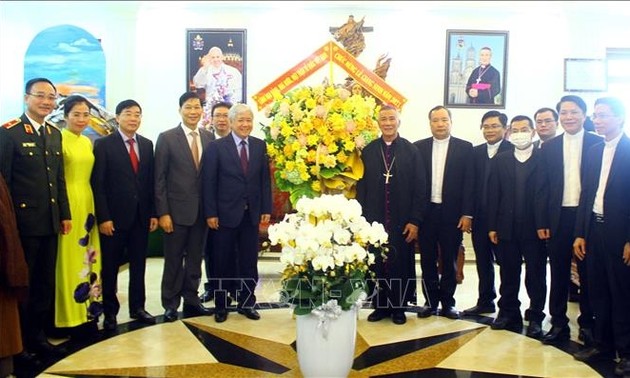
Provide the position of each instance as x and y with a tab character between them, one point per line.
393	193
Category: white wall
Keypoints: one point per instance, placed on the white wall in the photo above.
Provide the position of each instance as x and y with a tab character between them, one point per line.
144	44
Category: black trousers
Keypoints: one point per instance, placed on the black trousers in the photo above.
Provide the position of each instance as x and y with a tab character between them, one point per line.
235	255
560	250
208	263
610	291
439	288
128	244
511	254
36	314
484	261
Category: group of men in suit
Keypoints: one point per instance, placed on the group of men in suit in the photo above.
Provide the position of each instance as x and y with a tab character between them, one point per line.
186	187
559	198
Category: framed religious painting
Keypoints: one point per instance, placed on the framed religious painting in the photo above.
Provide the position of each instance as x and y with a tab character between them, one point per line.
476	68
216	65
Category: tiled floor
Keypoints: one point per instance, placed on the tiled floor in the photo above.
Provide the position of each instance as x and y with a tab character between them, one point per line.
239	347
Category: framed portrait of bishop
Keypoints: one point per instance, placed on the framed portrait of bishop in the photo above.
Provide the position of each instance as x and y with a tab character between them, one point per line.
476	68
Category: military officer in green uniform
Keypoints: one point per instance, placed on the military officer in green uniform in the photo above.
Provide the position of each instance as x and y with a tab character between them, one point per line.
32	164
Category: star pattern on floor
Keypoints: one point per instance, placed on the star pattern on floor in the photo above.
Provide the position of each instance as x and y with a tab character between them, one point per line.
239	347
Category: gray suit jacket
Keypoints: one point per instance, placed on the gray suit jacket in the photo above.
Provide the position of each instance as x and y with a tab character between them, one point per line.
177	181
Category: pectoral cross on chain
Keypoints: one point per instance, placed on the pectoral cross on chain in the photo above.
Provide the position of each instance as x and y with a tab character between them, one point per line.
387	176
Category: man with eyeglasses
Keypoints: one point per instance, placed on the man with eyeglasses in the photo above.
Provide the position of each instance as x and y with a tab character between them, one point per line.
602	234
565	161
546	125
31	162
493	127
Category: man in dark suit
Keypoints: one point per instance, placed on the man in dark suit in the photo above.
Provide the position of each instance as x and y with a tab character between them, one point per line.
450	179
122	181
32	164
516	211
603	234
220	128
179	207
237	197
546	125
493	126
564	161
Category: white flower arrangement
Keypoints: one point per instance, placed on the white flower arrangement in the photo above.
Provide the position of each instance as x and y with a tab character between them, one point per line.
326	249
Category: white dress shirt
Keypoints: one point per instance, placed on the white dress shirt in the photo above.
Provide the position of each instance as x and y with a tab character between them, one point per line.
572	157
189	138
438	162
607	158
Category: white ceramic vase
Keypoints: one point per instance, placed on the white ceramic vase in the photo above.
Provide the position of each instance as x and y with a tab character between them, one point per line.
329	356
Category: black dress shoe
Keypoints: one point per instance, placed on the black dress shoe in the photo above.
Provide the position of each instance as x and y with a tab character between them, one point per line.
426	311
220	316
45	348
534	330
399	317
507	324
196	310
143	316
622	368
207	296
170	315
450	312
480	309
26	359
109	323
557	335
593	354
249	313
585	335
378	314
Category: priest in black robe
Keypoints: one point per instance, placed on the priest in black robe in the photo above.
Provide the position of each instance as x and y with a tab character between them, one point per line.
393	193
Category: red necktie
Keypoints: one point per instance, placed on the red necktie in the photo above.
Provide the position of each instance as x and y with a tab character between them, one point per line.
244	156
132	155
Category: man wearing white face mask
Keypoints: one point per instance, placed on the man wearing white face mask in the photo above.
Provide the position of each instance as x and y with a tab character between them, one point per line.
514	223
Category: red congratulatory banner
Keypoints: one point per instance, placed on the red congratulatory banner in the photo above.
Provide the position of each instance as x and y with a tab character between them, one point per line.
330	52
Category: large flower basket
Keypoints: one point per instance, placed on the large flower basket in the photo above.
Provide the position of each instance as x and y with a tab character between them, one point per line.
325	346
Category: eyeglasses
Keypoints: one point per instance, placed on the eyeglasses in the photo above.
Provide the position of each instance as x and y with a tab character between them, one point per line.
42	96
547	121
601	116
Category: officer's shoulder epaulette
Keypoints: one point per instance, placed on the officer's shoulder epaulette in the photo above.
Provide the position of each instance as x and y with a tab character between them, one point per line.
11	123
53	125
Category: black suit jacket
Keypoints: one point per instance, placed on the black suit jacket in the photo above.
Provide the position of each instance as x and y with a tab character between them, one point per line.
502	204
118	191
458	184
554	166
227	190
616	203
482	175
33	170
